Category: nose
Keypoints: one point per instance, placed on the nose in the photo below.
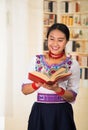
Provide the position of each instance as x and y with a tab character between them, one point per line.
55	42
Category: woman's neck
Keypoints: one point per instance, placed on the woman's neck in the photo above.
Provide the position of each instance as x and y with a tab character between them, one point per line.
56	56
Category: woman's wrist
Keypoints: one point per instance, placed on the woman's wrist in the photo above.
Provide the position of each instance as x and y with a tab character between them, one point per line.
35	86
61	92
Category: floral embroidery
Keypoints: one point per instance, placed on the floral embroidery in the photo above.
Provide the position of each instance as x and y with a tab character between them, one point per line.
42	66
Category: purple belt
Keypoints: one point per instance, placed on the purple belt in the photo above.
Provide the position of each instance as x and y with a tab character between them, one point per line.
49	98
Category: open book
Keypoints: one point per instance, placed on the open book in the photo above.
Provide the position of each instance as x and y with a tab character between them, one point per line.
43	78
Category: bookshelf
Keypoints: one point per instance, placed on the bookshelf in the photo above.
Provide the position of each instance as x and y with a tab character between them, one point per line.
49	18
74	13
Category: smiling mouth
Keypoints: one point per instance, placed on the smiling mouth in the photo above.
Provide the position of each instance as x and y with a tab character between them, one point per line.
55	48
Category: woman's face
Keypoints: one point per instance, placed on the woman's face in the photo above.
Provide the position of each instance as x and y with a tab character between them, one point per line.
56	41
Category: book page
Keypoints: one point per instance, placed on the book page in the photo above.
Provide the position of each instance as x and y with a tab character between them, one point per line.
60	71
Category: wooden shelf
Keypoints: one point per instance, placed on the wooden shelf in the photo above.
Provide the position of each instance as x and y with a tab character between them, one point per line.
78	39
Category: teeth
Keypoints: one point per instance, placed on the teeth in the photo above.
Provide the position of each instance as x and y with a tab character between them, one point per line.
55	48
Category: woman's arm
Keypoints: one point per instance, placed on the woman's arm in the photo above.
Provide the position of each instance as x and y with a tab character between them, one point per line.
30	88
68	95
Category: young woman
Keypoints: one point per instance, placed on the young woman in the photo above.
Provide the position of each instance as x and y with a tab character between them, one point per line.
52	109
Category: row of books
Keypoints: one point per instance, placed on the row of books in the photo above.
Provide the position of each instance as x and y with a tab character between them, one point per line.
75	20
50	6
73	6
67	19
50	19
70	6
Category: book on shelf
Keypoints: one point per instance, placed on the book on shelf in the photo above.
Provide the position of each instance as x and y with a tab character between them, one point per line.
81	73
53	6
50	19
71	46
45	45
77	6
84	73
64	6
68	20
50	6
61	73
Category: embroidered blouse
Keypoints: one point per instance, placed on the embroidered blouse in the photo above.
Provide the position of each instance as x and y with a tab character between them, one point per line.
71	83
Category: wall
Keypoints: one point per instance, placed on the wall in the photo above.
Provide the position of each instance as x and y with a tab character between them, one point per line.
25	30
3	46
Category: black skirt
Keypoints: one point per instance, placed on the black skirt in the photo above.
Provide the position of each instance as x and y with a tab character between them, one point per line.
55	116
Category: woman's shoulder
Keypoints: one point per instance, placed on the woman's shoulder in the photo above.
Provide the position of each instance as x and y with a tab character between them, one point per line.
75	62
71	58
39	55
75	65
42	56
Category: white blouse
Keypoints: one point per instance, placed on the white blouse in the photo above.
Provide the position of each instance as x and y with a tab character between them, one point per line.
72	83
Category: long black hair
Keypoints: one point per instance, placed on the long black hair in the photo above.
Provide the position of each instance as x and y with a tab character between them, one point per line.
59	26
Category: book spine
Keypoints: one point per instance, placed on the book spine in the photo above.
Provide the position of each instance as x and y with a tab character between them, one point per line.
74	46
51	6
66	6
81	76
45	45
77	7
55	20
86	73
71	46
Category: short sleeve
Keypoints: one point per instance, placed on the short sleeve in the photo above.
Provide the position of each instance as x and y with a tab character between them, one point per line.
74	80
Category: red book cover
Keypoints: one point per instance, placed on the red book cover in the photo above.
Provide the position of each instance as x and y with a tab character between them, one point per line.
42	78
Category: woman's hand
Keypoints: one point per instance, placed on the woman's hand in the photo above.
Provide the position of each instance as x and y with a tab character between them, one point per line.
53	87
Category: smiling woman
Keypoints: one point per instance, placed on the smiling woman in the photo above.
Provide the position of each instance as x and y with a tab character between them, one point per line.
58	96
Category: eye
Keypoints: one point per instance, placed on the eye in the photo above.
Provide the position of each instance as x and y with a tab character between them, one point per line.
60	40
51	39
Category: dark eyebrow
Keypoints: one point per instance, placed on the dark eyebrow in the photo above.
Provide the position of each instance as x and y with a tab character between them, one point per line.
51	36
